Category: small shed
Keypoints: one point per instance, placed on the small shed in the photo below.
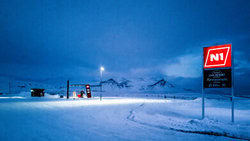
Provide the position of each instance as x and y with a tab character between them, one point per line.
37	92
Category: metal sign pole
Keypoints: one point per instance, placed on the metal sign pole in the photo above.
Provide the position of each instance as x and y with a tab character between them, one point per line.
203	99
232	99
202	91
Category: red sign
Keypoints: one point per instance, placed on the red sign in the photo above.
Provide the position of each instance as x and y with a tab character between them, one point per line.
217	56
88	90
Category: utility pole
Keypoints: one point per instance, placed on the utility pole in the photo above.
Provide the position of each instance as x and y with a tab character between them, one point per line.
68	89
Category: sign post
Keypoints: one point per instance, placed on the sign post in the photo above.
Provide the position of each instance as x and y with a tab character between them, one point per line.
232	86
202	91
218	71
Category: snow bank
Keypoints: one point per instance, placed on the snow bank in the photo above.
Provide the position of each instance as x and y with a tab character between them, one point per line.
116	118
186	118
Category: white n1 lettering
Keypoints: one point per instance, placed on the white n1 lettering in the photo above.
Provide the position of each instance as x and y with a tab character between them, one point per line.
216	57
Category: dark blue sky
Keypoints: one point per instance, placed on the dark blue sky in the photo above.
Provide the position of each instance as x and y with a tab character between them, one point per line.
71	39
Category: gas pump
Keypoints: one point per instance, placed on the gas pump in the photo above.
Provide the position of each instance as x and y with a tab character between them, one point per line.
88	90
81	94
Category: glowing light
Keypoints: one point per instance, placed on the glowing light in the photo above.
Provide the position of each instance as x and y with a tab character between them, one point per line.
106	101
102	68
13	97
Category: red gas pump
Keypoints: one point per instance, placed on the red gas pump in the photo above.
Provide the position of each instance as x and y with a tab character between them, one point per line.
81	94
88	90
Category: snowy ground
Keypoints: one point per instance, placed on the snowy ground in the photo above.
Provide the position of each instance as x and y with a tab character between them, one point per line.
121	118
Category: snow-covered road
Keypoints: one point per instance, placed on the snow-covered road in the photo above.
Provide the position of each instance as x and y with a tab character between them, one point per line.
29	119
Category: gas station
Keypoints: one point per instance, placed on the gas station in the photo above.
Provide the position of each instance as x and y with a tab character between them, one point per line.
78	90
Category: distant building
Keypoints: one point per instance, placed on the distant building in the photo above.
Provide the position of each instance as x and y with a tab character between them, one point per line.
35	92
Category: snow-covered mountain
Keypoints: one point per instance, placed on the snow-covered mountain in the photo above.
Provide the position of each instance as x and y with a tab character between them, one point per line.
161	84
114	84
142	85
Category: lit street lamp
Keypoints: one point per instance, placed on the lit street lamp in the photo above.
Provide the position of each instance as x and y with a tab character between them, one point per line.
101	70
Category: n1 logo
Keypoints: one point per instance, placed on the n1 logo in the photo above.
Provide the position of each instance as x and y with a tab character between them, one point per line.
217	56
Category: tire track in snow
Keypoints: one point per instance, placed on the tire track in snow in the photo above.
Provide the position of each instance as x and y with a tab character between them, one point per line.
131	117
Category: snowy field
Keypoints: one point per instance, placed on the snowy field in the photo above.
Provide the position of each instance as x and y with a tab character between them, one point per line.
121	118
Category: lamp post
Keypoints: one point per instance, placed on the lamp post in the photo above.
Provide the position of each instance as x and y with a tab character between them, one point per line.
101	70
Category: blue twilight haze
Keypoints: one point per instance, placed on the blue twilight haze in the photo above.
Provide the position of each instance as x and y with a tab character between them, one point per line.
52	41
